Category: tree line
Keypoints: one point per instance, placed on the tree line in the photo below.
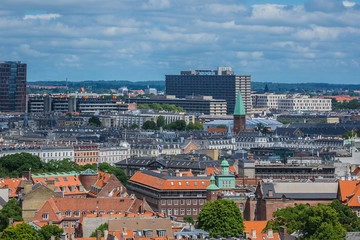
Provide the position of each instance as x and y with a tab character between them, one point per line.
13	165
161	107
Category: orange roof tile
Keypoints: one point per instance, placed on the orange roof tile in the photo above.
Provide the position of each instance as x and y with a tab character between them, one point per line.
62	182
172	183
346	188
12	184
217	170
217	130
259	226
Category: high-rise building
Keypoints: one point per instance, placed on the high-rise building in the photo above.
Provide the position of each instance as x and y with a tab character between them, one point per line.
220	84
12	87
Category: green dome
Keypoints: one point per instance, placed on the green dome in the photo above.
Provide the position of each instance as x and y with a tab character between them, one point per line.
224	163
212	178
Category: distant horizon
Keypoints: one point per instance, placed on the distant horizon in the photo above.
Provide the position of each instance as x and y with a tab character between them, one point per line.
273	41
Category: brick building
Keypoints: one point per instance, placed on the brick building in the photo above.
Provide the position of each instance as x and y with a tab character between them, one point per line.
173	194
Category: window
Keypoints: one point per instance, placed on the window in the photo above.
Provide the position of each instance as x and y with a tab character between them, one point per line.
76	213
176	211
188	211
65	224
148	233
163	211
161	233
203	183
102	212
179	183
110	212
201	202
119	212
182	202
195	183
182	211
73	224
188	202
58	214
194	202
68	213
84	212
169	202
169	211
176	202
172	183
195	211
163	202
187	183
45	215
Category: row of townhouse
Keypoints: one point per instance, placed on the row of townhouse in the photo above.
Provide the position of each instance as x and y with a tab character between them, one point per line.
80	154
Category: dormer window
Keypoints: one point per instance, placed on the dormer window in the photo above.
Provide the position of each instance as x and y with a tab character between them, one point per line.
68	213
45	215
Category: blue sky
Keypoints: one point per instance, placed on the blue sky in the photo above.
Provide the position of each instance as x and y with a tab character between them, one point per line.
273	40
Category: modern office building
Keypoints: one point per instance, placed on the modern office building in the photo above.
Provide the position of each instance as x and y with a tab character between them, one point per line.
267	100
12	87
199	104
220	84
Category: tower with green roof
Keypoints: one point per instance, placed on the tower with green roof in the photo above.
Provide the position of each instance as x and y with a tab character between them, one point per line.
239	115
225	180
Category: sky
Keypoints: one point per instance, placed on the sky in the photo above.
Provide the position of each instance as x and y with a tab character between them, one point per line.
272	40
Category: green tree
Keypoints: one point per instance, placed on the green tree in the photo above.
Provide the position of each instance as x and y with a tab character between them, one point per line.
149	125
221	126
190	126
348	135
156	107
102	228
47	231
221	217
94	121
347	218
143	106
316	222
12	210
198	126
134	126
189	220
321	223
179	125
20	232
65	165
13	165
160	122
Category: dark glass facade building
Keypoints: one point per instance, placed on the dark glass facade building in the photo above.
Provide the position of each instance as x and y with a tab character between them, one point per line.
220	84
12	87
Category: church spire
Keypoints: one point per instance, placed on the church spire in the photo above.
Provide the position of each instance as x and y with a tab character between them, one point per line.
239	105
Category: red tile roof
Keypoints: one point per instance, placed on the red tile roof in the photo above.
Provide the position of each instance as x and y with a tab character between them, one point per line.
173	183
259	226
350	192
217	130
68	182
12	184
217	170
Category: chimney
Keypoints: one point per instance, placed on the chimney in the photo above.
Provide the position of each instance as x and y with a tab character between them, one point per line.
253	233
270	193
269	233
192	228
106	233
50	222
283	231
124	230
27	186
246	235
98	235
51	184
27	175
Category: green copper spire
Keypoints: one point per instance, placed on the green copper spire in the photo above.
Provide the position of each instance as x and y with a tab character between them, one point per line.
239	105
212	185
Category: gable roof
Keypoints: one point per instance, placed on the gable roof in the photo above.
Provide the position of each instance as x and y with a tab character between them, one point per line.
349	193
12	184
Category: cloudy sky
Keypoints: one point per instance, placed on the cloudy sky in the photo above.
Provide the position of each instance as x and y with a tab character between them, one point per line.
273	40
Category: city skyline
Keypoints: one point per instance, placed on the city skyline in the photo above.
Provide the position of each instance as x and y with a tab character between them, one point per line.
307	41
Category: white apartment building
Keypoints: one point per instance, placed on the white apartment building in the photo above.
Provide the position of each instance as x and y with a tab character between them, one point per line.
266	100
45	153
304	103
112	155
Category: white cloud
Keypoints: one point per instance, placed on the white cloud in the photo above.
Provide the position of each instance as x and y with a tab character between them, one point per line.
156	4
47	16
348	4
26	49
71	58
252	55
